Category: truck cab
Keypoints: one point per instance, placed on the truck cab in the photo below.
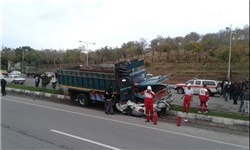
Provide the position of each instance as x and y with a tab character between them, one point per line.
137	80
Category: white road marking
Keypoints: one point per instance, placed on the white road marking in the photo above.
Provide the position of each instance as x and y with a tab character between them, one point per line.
86	140
137	125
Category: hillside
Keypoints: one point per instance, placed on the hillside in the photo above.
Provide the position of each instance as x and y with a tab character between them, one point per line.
207	69
167	64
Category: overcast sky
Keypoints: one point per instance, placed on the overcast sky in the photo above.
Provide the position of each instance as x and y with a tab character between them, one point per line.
59	24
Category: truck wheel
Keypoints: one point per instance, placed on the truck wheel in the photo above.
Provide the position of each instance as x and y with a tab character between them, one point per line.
83	100
180	90
72	95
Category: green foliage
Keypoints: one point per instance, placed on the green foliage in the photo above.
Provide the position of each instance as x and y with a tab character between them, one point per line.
147	64
210	43
32	88
45	80
221	54
196	47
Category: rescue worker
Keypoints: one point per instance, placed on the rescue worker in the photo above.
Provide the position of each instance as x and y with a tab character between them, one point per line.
204	97
149	96
108	95
188	96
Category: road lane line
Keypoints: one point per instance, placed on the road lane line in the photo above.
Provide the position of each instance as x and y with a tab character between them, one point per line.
86	140
137	125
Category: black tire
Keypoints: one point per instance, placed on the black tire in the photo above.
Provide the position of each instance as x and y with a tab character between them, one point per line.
180	90
13	82
129	111
83	100
72	95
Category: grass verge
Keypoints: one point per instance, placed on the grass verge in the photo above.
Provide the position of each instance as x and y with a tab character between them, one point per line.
32	88
215	113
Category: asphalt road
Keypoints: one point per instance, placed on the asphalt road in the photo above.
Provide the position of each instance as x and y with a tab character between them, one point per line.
33	124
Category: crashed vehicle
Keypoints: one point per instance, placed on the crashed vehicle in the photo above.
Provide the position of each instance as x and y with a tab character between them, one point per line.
87	84
161	106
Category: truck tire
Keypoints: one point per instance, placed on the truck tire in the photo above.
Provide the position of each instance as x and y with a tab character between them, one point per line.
72	95
180	90
83	100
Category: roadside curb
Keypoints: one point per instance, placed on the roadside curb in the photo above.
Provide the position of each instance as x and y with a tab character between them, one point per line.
211	119
40	94
199	117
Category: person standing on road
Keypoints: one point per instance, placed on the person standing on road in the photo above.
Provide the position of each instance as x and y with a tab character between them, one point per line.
204	97
108	95
3	86
54	81
188	96
232	88
149	96
245	98
222	87
222	84
37	81
242	96
227	91
237	92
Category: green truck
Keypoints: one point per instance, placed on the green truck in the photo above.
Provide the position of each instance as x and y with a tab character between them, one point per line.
30	71
87	84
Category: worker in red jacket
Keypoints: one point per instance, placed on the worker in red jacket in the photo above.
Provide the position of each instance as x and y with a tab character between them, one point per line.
149	96
204	97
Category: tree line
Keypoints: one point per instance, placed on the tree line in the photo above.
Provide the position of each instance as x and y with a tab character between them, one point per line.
209	47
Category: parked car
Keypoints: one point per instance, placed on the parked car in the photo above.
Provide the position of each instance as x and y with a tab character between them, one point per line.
213	86
49	74
14	78
2	76
15	72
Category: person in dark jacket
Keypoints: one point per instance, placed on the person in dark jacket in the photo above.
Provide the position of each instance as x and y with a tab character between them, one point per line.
232	88
108	95
222	85
245	98
37	81
236	93
3	86
222	88
241	99
227	91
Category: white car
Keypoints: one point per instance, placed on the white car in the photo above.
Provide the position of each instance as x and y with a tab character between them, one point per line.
15	72
213	86
14	78
2	76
